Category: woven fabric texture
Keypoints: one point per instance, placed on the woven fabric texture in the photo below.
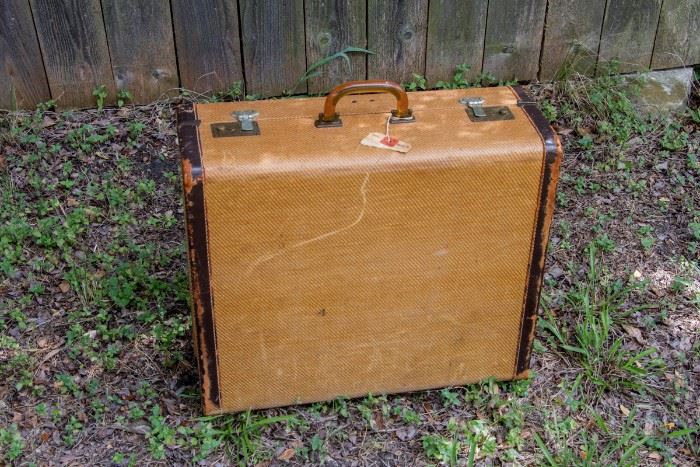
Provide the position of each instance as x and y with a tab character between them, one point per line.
340	270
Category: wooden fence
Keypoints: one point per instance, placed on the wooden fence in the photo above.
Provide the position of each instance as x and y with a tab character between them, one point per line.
64	49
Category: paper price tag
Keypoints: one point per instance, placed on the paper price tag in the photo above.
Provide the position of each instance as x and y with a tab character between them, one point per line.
382	141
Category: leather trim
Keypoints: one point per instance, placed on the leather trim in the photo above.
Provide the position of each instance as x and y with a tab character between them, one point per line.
198	255
550	176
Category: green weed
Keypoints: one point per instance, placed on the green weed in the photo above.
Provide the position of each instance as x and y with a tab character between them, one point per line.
593	344
240	434
123	97
100	94
418	83
231	94
588	449
315	69
11	443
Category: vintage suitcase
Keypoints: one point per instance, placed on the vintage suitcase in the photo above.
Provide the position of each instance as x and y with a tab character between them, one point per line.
321	267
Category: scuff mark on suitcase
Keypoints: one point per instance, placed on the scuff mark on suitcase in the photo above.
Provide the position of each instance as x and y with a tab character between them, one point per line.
188	180
361	215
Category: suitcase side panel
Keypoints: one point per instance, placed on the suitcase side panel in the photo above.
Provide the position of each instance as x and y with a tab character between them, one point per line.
204	330
548	185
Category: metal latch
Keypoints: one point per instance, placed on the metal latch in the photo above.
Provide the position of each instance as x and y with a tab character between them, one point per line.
477	112
245	125
247	119
474	103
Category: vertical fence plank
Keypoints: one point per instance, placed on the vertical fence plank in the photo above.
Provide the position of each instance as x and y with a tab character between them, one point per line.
677	39
273	46
22	77
141	48
396	33
571	39
74	46
455	36
628	33
208	44
331	26
514	38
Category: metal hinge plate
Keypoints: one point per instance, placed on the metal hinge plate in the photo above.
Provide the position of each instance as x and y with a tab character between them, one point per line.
491	114
232	129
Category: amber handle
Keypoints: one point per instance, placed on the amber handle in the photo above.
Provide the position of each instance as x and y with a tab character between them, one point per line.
330	118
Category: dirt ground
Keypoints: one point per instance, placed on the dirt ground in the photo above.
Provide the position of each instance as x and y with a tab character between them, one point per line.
96	362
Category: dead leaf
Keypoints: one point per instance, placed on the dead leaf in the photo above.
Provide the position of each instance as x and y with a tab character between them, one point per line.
287	454
406	434
655	455
171	406
634	332
625	411
648	428
64	286
48	357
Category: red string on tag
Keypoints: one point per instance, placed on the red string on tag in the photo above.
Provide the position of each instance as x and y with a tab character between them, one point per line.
389	141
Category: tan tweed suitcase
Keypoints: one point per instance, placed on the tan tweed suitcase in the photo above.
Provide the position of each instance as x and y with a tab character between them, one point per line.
322	266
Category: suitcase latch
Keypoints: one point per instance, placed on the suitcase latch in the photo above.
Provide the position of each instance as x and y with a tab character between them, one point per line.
245	125
477	112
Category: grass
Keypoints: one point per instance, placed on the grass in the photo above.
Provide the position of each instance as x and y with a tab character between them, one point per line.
95	341
592	343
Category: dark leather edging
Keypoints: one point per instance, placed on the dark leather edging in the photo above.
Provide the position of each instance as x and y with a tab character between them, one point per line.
202	308
553	157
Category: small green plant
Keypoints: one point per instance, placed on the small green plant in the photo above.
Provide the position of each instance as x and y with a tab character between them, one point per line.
589	450
549	110
160	434
647	239
417	83
450	397
11	443
674	137
694	228
315	69
123	97
72	428
605	362
459	79
241	434
441	449
100	93
232	94
603	104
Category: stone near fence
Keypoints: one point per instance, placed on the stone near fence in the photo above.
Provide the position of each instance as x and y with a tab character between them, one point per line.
662	91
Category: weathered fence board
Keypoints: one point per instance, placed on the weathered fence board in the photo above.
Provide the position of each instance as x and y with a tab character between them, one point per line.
455	36
22	78
514	38
628	34
208	44
273	46
74	48
678	35
396	31
146	71
331	26
571	38
64	49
